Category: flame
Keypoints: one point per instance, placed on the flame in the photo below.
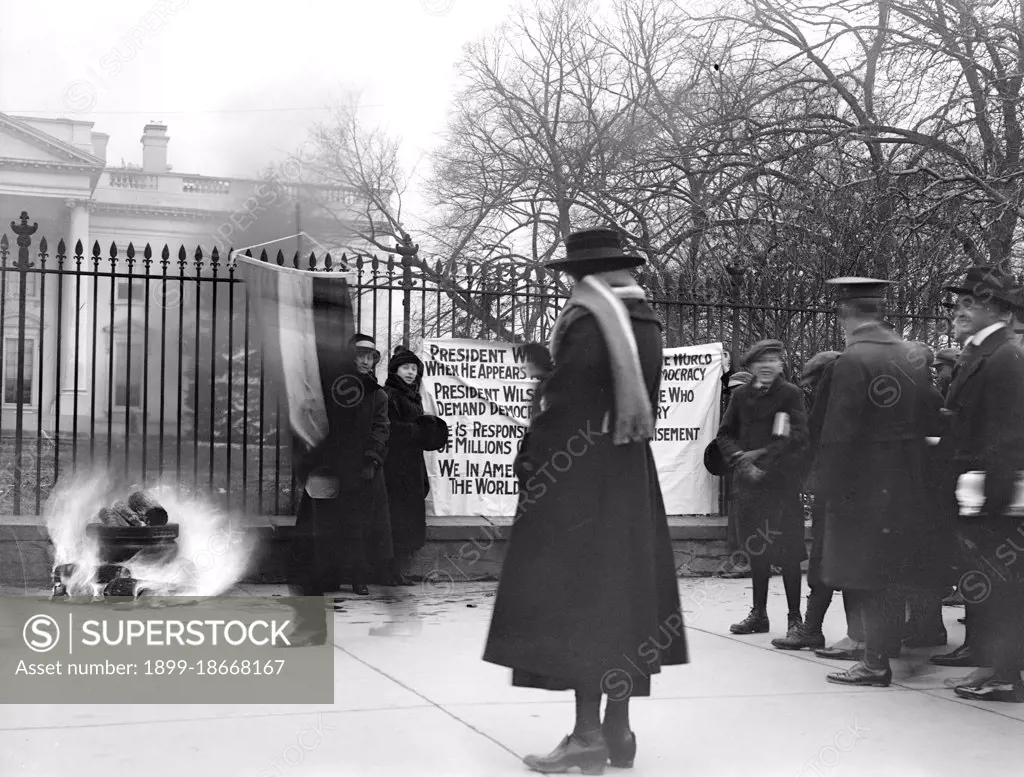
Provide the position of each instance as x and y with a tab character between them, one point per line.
213	550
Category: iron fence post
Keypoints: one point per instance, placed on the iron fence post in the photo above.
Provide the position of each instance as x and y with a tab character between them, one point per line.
407	250
24	233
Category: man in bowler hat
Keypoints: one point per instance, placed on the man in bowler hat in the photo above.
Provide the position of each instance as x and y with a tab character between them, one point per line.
985	434
872	470
588	598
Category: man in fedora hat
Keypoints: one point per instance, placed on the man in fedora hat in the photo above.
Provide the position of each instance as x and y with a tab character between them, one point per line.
985	434
589	576
872	471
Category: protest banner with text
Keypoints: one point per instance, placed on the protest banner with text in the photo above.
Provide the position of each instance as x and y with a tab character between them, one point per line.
688	416
481	389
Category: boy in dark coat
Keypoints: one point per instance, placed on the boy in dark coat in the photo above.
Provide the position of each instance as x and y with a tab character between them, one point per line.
763	436
588	599
405	470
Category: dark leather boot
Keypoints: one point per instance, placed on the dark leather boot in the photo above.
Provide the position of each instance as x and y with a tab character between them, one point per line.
621	748
800	636
755	623
588	752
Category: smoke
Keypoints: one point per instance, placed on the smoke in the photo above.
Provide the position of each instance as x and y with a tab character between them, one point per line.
213	553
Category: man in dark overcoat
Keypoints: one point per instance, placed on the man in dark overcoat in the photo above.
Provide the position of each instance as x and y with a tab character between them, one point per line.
872	471
985	437
588	599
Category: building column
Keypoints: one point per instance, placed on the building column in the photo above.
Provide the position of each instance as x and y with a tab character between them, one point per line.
78	229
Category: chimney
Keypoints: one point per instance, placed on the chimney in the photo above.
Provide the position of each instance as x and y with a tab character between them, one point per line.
154	148
99	145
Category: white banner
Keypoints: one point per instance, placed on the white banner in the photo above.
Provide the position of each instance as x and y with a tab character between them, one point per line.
480	388
688	417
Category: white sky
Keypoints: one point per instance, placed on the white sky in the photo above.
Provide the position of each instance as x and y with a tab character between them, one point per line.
225	75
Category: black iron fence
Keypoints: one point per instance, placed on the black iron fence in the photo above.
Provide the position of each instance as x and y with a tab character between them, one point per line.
145	362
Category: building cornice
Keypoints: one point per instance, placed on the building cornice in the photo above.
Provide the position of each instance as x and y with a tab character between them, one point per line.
158	211
50	164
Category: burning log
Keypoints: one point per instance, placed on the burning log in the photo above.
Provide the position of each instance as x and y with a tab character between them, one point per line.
127	514
152	513
108	517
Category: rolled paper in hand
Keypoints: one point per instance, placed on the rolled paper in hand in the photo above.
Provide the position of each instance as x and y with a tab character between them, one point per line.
151	511
780	427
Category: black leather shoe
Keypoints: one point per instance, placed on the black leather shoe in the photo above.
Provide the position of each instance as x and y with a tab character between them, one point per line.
937	639
589	754
1012	693
841	654
959	657
755	623
621	750
360	590
861	674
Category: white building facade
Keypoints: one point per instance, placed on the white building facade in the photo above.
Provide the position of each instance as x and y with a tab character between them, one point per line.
86	341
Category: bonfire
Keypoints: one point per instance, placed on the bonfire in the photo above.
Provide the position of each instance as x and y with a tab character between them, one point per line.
150	543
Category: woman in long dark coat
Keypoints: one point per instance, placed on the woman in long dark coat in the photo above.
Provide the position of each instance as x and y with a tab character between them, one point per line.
767	477
588	599
405	470
345	496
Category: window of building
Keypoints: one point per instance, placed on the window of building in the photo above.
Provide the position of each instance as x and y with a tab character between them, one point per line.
125	389
138	290
13	289
12	385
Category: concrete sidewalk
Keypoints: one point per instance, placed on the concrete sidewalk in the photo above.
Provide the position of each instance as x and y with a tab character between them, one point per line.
413	698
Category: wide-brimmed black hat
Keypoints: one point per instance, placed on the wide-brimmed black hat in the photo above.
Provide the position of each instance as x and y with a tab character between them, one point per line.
760	348
433	432
985	282
946	356
594	250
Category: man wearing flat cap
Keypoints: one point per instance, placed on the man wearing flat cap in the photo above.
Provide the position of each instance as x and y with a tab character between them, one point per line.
590	575
763	437
872	471
985	437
